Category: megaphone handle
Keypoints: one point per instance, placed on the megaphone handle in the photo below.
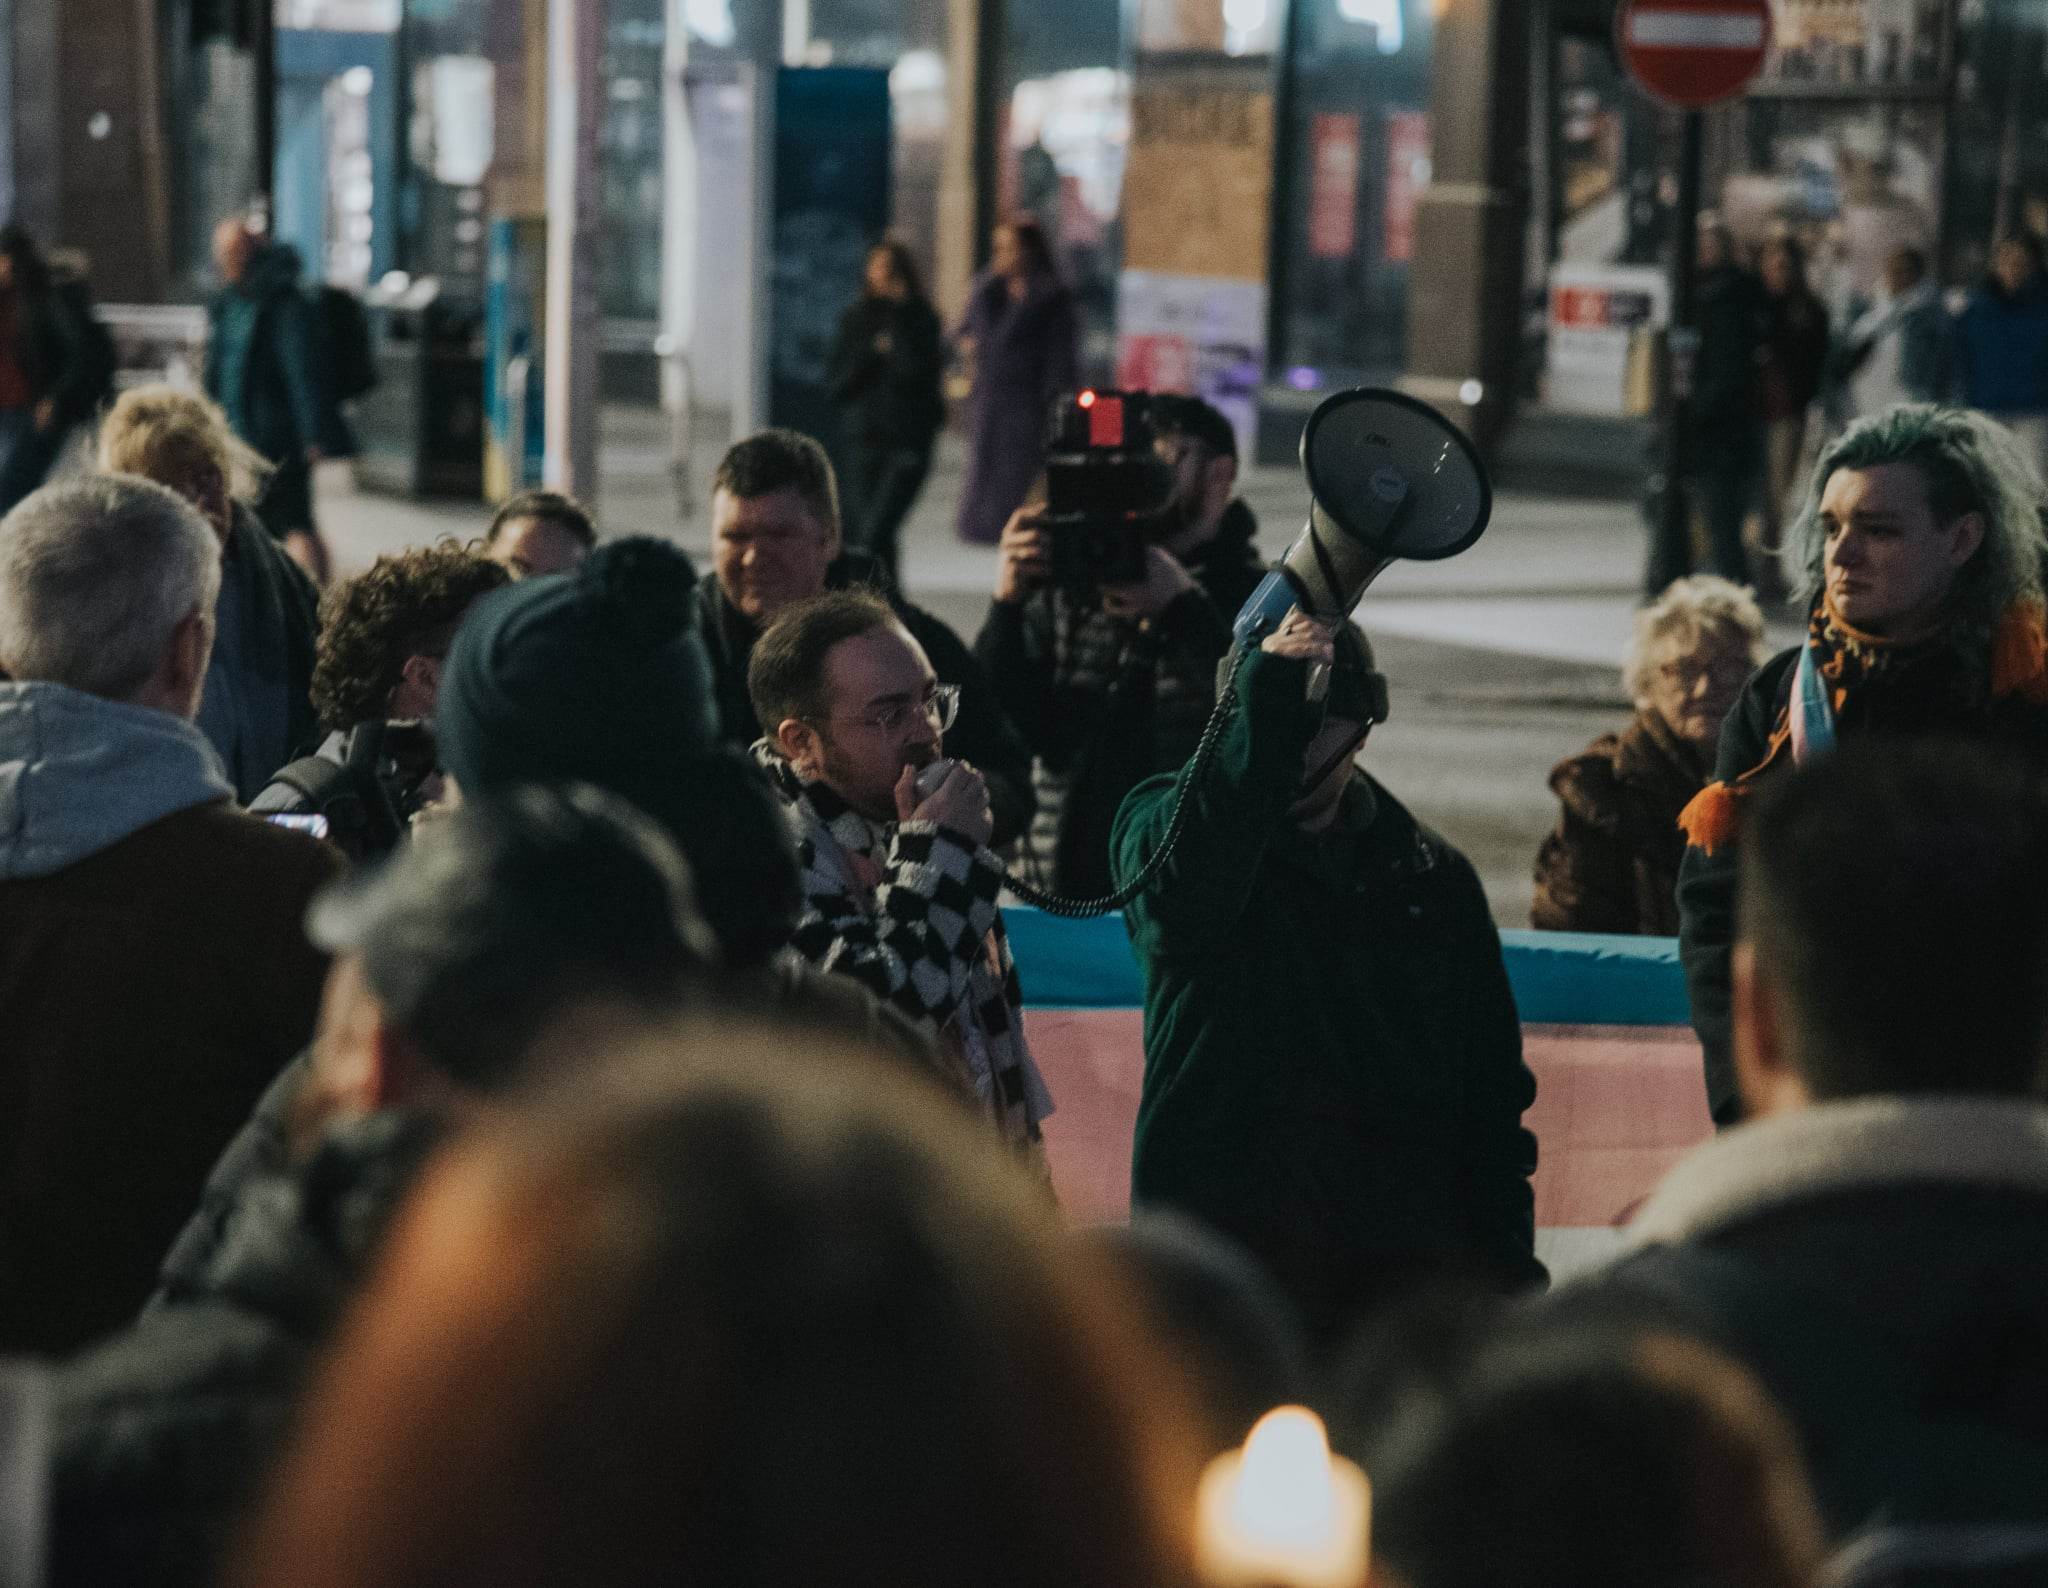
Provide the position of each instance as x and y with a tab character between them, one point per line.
1318	680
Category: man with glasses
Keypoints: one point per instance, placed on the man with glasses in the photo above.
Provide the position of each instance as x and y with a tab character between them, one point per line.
899	885
1333	1062
774	542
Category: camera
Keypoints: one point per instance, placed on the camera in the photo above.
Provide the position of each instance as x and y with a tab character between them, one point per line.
1104	485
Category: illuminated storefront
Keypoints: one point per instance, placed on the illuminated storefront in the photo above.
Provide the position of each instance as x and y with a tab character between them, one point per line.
1875	124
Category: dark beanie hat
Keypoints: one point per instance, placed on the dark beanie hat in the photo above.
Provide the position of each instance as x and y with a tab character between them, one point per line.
595	676
598	677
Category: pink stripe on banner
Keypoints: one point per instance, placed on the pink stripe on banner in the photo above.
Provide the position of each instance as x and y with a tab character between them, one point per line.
1696	30
1616	1106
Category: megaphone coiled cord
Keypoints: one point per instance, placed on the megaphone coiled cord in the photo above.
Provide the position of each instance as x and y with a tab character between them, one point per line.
1197	770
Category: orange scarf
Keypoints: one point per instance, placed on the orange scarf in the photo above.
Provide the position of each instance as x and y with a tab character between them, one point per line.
2019	670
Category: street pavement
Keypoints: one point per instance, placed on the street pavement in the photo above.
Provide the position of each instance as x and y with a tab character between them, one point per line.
1500	661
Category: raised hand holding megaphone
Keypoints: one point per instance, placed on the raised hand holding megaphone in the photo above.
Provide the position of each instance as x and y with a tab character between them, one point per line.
1389	478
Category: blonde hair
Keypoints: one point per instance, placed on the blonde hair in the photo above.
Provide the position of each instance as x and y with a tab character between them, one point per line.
1689	612
172	437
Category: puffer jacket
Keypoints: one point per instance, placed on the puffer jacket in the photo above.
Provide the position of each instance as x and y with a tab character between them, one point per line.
165	1431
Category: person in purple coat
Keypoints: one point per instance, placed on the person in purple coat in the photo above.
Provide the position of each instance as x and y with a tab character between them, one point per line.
1019	332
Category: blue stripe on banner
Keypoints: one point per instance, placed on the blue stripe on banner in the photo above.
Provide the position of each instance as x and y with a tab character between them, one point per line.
1560	978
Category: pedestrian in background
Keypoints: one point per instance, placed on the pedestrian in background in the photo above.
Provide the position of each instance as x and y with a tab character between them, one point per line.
2002	344
1611	863
1895	344
54	368
1795	355
885	374
540	532
262	368
1018	336
1726	441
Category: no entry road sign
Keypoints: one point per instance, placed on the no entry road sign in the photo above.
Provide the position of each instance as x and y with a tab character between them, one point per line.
1693	53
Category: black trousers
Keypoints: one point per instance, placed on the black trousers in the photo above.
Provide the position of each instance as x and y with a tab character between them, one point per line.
885	480
29	461
1725	481
287	500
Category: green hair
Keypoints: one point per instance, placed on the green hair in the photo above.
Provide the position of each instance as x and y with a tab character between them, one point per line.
1970	463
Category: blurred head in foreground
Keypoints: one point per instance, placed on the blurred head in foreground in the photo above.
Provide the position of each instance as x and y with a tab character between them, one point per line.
1527	1455
758	1321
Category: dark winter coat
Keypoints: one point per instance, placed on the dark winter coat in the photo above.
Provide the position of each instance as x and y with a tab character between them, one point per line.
51	329
2002	349
165	1432
889	394
1104	702
1611	863
154	977
1024	357
258	707
1882	1265
262	364
1726	403
980	734
1706	883
1333	1060
1795	353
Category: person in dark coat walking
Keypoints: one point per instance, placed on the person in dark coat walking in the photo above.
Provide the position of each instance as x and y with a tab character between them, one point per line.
1725	445
2002	344
50	378
1110	687
885	372
1795	356
263	368
452	967
774	542
1923	547
1018	336
1611	863
1333	1061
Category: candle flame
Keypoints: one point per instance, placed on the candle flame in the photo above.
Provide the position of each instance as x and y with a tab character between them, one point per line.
1284	1510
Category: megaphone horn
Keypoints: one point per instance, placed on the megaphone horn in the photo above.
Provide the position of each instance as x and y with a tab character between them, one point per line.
1389	479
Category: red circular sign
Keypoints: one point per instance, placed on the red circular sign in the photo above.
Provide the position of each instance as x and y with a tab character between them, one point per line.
1693	53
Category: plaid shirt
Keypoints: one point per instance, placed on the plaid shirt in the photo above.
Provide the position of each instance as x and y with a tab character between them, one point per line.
909	909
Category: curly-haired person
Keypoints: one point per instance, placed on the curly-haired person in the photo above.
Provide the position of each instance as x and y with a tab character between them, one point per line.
376	676
1924	554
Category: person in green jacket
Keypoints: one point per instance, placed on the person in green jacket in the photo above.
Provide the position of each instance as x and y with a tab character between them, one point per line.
1333	1061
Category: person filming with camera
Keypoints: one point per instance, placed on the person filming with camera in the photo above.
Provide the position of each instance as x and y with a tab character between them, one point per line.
1333	1061
1112	683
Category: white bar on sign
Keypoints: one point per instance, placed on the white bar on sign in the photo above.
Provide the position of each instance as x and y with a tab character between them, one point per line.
1696	30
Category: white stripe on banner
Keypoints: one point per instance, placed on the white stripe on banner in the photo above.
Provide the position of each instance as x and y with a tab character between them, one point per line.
1695	30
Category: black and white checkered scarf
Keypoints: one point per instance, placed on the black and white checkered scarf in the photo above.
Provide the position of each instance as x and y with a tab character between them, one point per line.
909	909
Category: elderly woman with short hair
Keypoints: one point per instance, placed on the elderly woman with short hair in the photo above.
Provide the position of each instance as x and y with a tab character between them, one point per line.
1611	863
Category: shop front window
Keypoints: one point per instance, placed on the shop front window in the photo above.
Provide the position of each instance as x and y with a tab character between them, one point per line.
630	166
1065	133
1355	147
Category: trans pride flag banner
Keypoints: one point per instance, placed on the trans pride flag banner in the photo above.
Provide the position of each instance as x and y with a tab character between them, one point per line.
1605	1026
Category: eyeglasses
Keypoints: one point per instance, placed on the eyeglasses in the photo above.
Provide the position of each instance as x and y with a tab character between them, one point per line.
1730	673
940	707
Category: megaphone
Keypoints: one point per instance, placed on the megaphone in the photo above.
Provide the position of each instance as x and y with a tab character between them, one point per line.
1389	479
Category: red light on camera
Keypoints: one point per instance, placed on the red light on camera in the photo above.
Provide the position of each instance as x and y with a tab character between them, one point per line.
1086	399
